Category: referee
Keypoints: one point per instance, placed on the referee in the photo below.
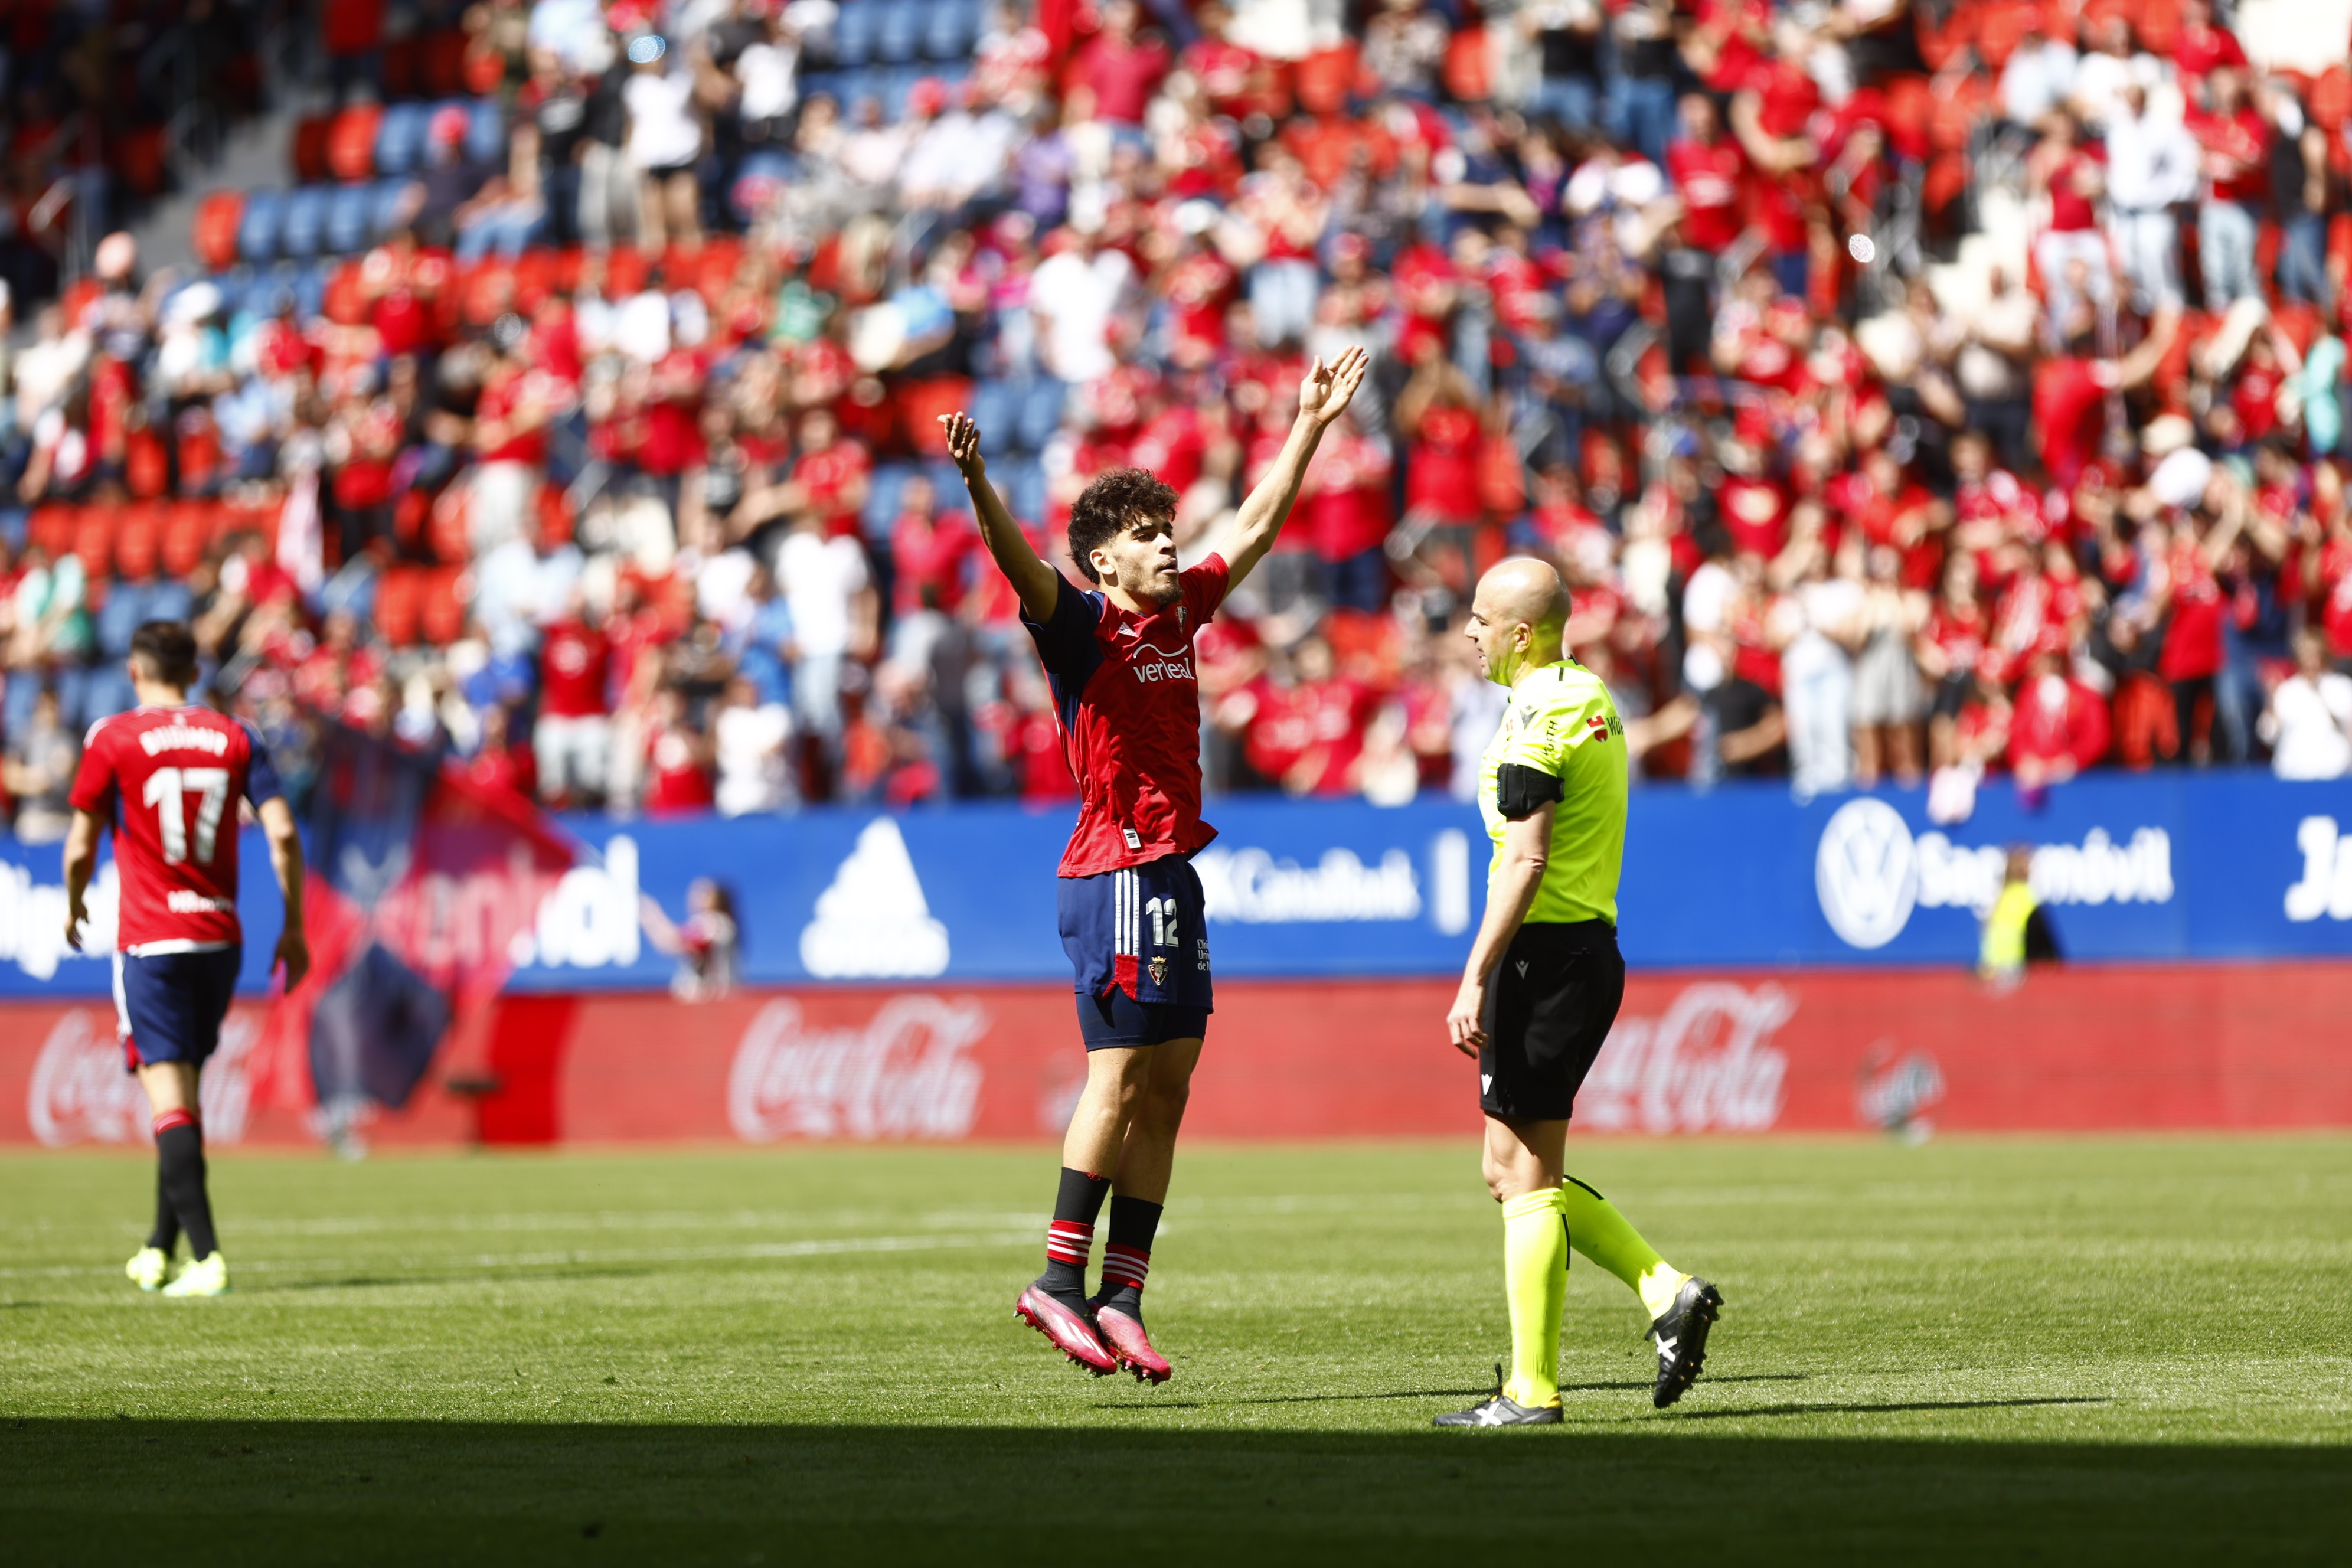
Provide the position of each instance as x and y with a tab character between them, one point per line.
1542	987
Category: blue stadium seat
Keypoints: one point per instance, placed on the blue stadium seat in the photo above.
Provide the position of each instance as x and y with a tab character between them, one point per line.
304	228
898	31
72	681
827	82
881	509
897	82
1041	412
310	288
385	206
486	133
400	138
16	705
1023	482
953	28
105	689
854	34
256	231
124	613
168	600
994	405
351	219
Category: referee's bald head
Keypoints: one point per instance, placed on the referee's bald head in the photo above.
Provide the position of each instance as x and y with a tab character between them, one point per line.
1526	591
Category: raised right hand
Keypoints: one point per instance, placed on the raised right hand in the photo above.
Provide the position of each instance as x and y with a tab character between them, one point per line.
963	446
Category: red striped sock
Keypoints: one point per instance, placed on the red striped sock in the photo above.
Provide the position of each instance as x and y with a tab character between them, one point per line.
171	1119
1124	1267
1069	1241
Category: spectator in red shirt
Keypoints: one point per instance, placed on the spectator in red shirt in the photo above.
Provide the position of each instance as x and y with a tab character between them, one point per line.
2235	137
1348	515
678	777
1121	67
1708	173
497	765
573	737
931	553
509	445
2057	726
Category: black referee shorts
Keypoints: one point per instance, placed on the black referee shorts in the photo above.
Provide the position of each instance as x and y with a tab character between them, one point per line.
1549	1008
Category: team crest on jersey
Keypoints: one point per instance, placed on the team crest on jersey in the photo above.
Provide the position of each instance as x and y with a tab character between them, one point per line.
1160	972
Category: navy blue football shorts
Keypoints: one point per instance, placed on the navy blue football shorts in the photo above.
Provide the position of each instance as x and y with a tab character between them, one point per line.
1139	946
168	1006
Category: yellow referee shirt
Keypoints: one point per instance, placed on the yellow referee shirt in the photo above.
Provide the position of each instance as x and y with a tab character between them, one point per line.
1562	725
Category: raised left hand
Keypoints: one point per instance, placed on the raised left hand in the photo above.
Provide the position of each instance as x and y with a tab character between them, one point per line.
1324	395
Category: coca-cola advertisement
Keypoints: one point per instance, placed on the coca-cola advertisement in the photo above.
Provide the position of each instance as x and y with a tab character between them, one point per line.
1905	1054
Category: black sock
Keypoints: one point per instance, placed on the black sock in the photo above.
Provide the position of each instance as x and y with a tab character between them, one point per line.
1070	1239
1127	1255
180	1152
166	1234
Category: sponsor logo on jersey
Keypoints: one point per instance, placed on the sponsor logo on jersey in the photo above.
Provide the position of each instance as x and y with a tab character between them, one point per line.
1707	1064
182	738
902	1074
1162	666
1870	872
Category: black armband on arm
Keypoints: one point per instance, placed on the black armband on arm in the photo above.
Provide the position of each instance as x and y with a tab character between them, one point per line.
1521	791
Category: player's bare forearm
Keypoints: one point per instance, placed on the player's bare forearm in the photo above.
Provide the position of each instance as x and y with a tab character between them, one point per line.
1038	584
1527	846
286	860
1323	396
82	863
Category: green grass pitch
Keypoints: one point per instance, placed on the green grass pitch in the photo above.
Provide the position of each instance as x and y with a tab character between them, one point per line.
1975	1350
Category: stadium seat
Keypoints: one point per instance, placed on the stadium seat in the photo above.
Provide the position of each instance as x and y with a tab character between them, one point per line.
485	132
305	228
51	528
187	529
124	613
1023	481
995	407
386	208
399	605
138	540
899	30
351	219
951	29
309	154
920	405
400	139
214	233
93	538
854	34
103	691
351	142
259	225
402	61
1041	412
881	509
446	525
169	601
442	613
441	63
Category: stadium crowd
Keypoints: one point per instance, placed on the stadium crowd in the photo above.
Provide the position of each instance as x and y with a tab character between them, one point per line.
581	417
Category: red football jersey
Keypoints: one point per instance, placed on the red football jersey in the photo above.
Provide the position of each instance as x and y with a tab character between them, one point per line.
1130	701
169	780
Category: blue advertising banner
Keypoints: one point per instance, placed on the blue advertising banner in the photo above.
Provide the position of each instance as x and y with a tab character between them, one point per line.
2202	865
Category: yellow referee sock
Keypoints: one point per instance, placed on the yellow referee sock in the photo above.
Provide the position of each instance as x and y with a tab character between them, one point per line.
1596	1229
1535	1278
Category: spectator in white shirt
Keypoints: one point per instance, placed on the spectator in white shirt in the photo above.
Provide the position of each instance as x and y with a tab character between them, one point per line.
750	734
665	140
1075	295
2309	722
2152	164
827	587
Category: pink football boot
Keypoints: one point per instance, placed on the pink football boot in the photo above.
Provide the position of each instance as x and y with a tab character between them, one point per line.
1070	1333
1125	1336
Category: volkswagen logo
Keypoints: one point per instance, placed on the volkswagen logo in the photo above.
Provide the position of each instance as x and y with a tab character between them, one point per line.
1868	873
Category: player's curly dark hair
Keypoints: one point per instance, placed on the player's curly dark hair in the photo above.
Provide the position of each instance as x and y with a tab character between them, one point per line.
1114	501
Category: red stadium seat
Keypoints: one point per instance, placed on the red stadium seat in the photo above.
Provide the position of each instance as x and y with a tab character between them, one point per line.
442	616
188	528
399	605
351	142
445	526
402	67
93	537
52	528
215	230
921	403
310	150
139	540
441	63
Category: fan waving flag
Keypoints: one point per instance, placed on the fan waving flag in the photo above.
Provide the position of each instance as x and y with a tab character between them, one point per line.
421	882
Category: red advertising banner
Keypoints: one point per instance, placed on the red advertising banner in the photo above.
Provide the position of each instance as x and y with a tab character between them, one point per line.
2109	1049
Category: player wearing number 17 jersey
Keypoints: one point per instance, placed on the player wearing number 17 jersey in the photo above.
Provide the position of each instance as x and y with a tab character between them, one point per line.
1119	654
168	777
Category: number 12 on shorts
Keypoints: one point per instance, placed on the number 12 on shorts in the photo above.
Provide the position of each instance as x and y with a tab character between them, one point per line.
1162	914
168	790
